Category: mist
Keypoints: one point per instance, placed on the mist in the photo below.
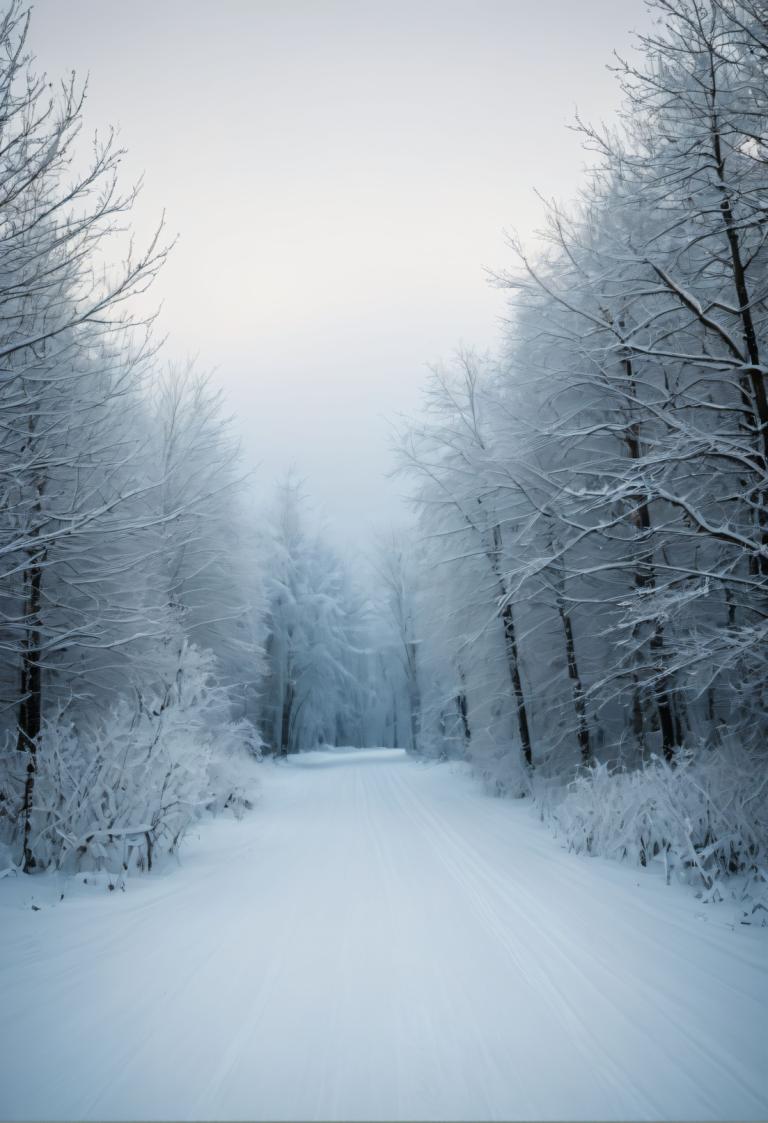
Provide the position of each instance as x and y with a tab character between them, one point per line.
341	177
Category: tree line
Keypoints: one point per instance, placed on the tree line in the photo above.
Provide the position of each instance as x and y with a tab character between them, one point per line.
591	586
157	631
580	608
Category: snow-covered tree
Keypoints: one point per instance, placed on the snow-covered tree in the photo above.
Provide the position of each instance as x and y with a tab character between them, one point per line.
100	504
322	683
205	532
395	575
595	499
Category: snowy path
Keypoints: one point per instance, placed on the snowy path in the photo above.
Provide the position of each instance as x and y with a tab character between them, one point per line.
379	939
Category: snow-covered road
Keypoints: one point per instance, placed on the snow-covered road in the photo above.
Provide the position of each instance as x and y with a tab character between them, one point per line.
379	940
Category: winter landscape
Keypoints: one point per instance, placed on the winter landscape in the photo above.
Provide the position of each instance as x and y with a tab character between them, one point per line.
378	740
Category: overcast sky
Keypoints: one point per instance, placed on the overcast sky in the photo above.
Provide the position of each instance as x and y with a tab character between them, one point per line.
341	173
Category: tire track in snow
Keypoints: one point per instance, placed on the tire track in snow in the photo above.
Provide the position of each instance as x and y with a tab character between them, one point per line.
380	792
469	867
379	940
455	854
568	951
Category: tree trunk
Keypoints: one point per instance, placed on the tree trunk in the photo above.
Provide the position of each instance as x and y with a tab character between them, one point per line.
579	701
638	718
645	579
510	641
510	647
414	695
285	723
461	705
30	718
753	382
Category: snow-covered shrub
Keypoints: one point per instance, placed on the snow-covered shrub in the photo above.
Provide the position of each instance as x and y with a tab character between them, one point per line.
233	747
120	793
706	816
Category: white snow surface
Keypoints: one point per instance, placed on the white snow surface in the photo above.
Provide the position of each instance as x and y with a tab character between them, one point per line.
378	939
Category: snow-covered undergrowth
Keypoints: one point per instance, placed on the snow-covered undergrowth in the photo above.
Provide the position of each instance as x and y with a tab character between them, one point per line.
120	794
705	818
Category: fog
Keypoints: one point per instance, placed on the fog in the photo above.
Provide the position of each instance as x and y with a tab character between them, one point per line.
341	176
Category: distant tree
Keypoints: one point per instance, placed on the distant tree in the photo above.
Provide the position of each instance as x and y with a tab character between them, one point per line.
319	661
395	572
203	540
449	453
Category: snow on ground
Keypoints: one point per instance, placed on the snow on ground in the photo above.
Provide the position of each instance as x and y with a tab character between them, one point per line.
379	939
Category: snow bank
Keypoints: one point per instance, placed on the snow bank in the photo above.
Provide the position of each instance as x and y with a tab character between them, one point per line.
705	818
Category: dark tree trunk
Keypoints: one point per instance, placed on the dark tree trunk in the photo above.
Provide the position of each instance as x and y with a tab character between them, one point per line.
753	388
645	579
285	722
510	641
461	706
739	270
667	722
510	646
30	718
579	701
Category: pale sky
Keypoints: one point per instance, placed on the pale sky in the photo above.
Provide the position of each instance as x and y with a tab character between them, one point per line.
341	173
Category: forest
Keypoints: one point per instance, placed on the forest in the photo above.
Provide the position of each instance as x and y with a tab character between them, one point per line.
577	606
461	814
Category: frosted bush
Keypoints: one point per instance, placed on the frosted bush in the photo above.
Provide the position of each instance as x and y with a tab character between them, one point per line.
119	794
705	817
